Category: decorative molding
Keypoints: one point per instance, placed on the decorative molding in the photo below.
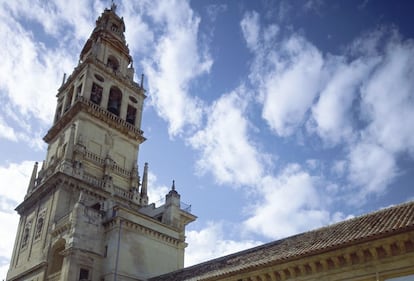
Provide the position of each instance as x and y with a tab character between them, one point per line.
101	114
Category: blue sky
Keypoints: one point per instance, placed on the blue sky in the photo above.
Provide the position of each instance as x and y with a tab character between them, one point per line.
273	117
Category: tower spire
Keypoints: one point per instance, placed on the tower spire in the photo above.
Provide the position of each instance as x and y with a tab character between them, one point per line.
144	188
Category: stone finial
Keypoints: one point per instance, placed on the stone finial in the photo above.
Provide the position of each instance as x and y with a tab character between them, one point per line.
32	182
144	186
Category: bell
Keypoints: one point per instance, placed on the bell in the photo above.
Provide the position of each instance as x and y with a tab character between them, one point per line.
113	106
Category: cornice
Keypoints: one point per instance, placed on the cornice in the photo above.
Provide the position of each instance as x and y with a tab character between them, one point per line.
136	227
340	259
94	110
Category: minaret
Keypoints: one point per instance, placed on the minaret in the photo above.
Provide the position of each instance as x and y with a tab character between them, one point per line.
86	215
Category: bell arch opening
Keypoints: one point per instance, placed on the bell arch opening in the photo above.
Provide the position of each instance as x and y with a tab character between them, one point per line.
112	63
114	100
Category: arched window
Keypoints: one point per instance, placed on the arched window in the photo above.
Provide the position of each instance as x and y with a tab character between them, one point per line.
96	94
113	63
114	100
131	114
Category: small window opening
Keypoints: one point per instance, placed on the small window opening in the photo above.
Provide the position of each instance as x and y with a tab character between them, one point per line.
69	96
131	114
114	28
83	274
79	91
106	251
114	101
96	206
96	94
113	63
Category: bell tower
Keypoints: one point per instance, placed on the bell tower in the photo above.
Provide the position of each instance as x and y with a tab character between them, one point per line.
86	214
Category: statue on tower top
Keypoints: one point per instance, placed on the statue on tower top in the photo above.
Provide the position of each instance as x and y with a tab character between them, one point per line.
113	6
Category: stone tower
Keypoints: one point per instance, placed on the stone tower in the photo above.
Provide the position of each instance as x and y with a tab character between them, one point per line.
86	214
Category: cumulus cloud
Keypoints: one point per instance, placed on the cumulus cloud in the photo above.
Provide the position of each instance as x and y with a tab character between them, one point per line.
178	60
291	200
57	16
360	99
226	150
290	203
6	131
32	72
285	100
387	99
251	28
210	242
156	191
137	32
388	110
333	113
371	168
280	70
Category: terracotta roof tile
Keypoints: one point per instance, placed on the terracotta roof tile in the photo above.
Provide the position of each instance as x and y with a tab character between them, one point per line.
384	222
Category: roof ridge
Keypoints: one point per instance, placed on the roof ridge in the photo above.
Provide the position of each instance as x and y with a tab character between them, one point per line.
319	239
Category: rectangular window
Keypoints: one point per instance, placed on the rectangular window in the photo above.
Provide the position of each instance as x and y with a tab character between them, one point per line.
106	251
84	274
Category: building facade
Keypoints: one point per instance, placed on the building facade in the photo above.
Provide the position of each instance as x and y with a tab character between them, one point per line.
86	214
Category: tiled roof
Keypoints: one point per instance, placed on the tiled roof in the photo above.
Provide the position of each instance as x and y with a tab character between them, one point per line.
379	224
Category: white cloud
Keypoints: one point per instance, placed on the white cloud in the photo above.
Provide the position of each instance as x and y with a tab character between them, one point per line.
6	131
156	192
290	203
57	16
387	99
177	61
31	74
15	179
290	89
138	34
210	242
371	168
388	109
251	27
332	113
361	99
226	150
